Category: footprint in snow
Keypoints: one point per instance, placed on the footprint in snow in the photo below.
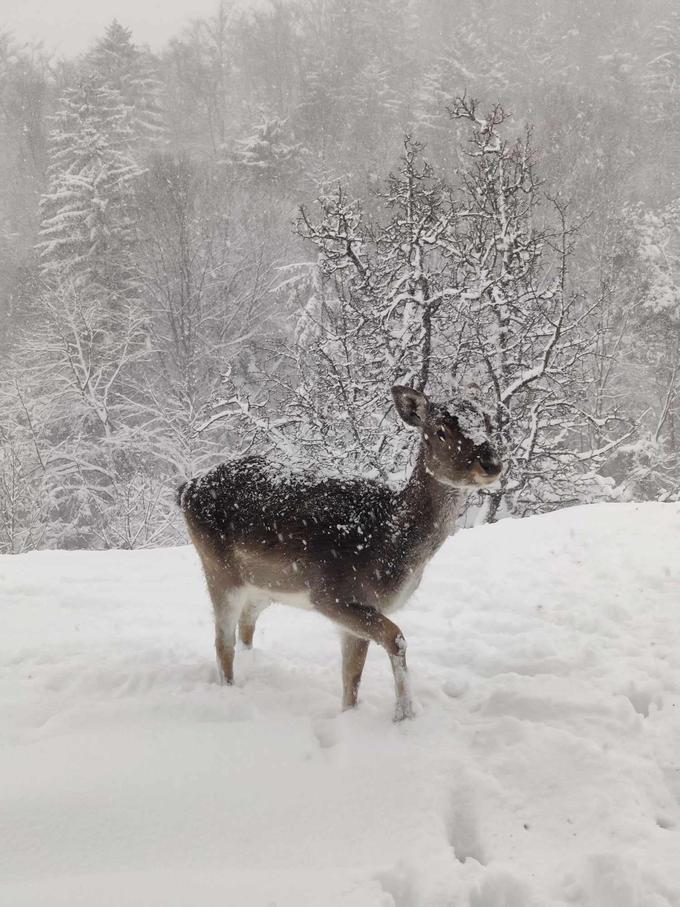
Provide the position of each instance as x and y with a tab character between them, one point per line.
462	825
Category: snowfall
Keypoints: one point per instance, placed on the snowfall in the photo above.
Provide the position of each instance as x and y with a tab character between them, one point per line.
542	768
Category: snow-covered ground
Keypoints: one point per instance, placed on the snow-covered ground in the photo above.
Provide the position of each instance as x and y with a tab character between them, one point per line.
543	767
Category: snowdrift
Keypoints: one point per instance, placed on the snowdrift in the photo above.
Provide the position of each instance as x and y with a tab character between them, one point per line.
542	768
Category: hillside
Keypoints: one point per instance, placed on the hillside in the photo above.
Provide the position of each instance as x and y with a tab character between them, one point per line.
543	767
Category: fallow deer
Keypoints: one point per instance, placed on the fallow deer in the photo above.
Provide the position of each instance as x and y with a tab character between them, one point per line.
351	549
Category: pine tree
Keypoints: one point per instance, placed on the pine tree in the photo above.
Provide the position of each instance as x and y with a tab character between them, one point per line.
270	155
87	232
91	333
119	65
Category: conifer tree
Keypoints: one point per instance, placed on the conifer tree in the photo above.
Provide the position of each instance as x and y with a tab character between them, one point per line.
87	232
122	66
270	155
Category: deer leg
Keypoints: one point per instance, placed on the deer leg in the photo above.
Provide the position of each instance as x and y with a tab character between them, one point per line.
225	644
227	606
370	624
247	621
354	652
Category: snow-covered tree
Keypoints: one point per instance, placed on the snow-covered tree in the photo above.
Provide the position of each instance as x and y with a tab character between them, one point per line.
88	228
24	500
23	105
270	154
79	374
207	280
529	329
448	285
652	352
463	58
368	320
120	65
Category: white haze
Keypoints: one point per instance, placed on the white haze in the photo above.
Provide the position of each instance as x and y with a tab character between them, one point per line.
68	27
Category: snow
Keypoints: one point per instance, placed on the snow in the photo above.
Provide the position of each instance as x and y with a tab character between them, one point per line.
473	420
542	767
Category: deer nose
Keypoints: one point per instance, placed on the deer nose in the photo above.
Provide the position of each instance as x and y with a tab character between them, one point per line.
489	463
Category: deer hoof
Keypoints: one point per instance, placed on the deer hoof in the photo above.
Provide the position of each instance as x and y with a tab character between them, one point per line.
403	710
223	680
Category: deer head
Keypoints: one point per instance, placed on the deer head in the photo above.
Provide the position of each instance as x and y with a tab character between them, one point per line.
454	438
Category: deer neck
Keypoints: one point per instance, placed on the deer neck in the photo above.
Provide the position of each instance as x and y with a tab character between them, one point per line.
428	508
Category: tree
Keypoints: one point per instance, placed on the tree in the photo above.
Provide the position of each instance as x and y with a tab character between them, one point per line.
87	232
651	464
23	104
662	76
207	288
532	335
451	285
120	66
368	321
87	425
201	80
270	155
268	55
24	501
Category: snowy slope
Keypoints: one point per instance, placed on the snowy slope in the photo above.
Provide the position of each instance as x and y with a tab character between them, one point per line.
543	767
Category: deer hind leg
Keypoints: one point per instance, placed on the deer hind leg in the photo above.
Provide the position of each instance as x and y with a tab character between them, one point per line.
369	624
227	604
354	652
247	621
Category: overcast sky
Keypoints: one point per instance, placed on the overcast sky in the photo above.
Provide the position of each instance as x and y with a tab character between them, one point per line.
68	26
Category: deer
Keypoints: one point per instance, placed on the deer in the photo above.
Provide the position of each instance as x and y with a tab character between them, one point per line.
351	549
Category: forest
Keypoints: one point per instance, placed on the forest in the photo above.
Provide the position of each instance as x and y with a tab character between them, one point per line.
241	242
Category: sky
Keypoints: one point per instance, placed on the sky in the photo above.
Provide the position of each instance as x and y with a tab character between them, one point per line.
68	27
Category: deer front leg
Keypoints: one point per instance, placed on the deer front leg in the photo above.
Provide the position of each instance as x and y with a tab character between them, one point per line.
402	682
369	624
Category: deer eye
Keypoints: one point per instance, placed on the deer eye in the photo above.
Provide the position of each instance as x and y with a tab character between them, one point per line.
441	434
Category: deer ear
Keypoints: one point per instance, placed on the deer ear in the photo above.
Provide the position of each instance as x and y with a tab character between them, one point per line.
413	406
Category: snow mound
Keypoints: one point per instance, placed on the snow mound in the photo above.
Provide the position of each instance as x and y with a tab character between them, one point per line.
542	769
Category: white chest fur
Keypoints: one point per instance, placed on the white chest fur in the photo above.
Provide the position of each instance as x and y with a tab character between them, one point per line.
404	593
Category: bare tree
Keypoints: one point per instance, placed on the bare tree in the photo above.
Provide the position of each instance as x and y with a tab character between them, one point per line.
454	284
